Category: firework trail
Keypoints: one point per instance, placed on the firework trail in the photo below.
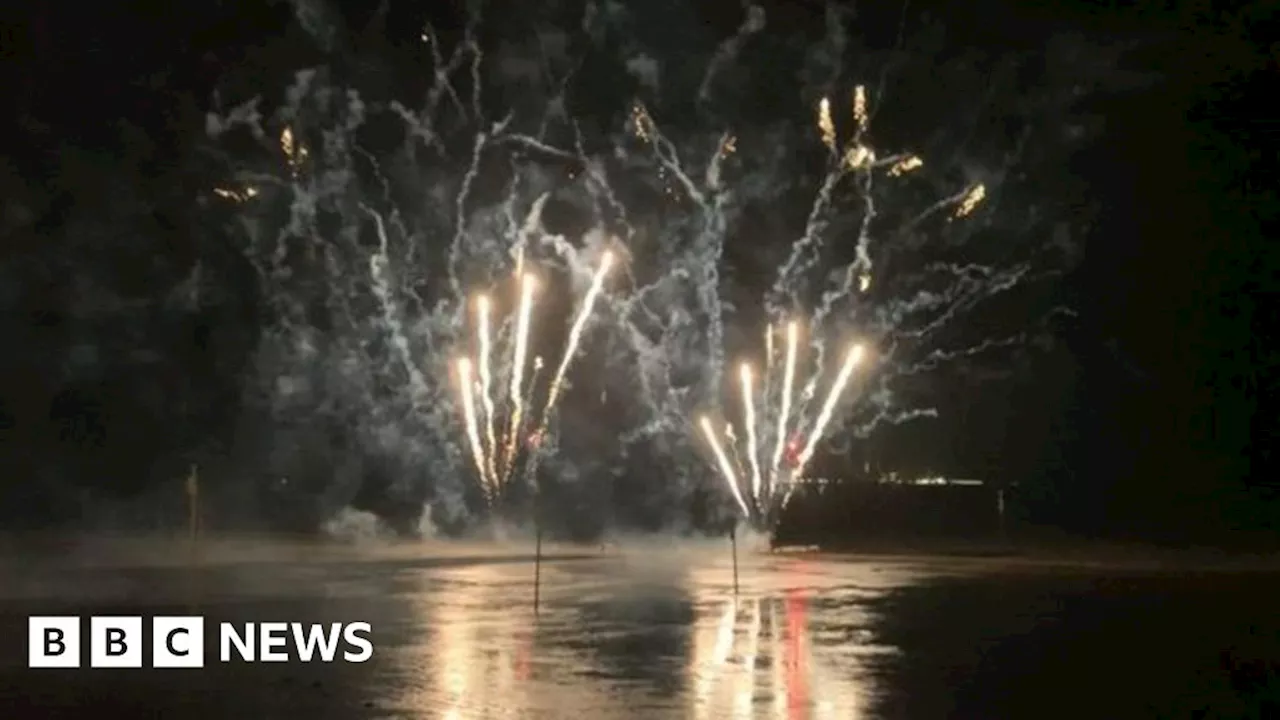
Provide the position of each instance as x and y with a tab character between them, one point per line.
519	355
518	434
749	418
575	337
886	322
370	310
467	388
360	362
726	467
486	386
788	386
795	441
770	491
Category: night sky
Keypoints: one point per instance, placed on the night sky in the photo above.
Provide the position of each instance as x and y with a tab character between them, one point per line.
1141	418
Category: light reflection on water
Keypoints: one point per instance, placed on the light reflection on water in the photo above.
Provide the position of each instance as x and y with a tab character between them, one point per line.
472	657
637	643
660	633
759	658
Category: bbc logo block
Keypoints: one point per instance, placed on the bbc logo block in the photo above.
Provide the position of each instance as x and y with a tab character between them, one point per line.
179	642
53	642
115	642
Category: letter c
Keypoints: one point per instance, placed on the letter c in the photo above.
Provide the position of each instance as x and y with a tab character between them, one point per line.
168	642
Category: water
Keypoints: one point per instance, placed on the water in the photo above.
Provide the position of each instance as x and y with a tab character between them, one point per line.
658	633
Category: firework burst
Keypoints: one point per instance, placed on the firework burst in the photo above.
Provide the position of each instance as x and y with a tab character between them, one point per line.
504	452
761	484
379	334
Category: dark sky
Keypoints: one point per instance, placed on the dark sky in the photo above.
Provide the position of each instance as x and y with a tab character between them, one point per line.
1149	420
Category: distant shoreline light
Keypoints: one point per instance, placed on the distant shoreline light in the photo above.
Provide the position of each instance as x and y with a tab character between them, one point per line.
892	479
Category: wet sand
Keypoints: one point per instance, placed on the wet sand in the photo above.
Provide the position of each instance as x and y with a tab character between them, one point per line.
655	630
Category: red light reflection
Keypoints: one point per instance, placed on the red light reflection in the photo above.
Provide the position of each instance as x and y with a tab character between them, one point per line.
795	660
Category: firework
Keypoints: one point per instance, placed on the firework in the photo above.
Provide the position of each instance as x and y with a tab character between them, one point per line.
521	352
467	388
796	437
311	249
497	454
486	384
722	460
749	418
761	485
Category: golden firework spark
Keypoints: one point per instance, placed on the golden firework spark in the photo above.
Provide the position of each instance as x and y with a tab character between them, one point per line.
788	387
769	490
466	385
971	200
858	157
723	461
575	336
641	123
497	454
860	108
236	195
749	417
905	165
486	383
828	407
826	126
295	152
521	351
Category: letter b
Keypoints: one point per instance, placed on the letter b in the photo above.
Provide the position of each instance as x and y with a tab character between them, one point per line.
115	642
53	642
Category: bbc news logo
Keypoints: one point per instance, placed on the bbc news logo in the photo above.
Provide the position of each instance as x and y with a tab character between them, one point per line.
179	642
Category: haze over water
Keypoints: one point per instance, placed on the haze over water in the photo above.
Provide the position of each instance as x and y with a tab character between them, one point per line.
658	633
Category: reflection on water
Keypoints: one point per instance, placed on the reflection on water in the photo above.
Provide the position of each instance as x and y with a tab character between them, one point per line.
758	658
661	634
611	645
472	658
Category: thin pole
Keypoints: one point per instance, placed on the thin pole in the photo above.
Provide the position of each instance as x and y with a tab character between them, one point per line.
537	552
733	541
193	504
1000	514
193	526
537	569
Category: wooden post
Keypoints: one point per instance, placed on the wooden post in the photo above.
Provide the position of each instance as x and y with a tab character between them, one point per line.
733	541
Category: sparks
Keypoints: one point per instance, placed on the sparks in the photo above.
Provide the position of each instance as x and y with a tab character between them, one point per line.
723	461
497	455
521	351
749	417
236	195
771	483
971	200
860	108
906	165
486	382
671	325
466	386
824	417
575	335
788	383
826	126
